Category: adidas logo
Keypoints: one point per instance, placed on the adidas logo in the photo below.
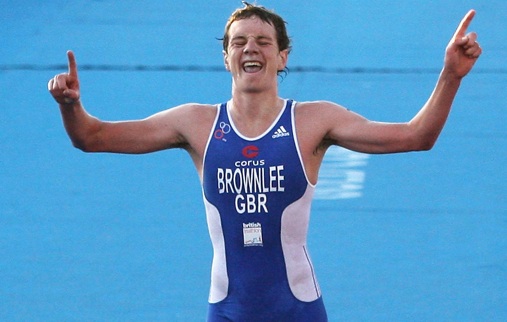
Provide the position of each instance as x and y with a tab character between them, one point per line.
281	132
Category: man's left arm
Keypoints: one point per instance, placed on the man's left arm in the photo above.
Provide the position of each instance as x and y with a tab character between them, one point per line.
460	56
357	133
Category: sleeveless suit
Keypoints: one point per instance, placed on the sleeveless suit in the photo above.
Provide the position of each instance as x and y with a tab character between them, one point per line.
258	199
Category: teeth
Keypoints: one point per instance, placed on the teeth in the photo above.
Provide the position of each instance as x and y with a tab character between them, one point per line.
252	64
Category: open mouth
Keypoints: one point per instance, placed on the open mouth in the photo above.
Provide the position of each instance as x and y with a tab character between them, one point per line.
252	66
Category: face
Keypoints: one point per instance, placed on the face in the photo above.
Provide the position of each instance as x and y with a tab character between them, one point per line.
252	56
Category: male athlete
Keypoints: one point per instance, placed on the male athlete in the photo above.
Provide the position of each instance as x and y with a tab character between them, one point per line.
258	158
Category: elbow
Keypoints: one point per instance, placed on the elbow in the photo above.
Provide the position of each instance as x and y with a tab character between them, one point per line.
424	144
80	146
424	137
427	146
83	145
420	139
86	141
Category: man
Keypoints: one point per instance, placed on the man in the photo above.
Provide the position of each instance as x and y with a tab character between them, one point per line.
258	158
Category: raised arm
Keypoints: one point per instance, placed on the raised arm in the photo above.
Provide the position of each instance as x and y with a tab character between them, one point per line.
357	133
80	126
167	129
461	54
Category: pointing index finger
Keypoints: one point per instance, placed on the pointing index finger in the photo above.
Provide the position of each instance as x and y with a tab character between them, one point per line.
463	26
72	64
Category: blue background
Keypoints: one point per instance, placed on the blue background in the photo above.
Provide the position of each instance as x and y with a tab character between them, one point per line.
103	237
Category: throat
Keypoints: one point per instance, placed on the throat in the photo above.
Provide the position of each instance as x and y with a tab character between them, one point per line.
255	120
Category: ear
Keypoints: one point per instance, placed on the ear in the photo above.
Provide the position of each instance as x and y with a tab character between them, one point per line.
284	57
226	63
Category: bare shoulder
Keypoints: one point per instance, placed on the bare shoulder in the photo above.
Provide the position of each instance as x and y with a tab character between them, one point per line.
314	120
194	110
210	109
319	106
194	123
186	126
325	122
321	112
184	117
199	117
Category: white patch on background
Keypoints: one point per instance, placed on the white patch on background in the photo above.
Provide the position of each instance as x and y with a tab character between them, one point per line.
342	174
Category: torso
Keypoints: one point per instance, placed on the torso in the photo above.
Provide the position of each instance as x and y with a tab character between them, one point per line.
257	199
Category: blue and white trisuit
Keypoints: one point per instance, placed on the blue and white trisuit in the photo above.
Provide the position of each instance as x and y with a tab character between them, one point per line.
258	198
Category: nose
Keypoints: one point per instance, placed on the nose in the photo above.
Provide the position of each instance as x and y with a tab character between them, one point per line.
251	46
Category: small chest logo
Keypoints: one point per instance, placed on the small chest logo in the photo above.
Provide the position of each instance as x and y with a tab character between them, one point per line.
280	133
222	131
250	151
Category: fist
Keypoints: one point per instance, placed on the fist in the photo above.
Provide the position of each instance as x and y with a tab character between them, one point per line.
65	87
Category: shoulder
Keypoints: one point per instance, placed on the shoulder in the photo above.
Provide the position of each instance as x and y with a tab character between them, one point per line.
196	109
189	123
190	114
315	119
191	118
321	106
320	111
324	120
183	120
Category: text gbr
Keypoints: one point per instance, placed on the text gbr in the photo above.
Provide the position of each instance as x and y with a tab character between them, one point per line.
250	186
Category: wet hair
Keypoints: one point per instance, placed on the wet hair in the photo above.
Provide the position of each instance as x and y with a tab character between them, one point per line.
267	16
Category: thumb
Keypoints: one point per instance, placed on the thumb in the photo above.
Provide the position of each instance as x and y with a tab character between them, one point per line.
71	95
461	40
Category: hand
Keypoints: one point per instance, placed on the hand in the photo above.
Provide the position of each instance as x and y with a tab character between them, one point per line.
463	50
65	87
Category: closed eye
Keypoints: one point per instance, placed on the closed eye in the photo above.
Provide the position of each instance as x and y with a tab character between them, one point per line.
264	41
240	41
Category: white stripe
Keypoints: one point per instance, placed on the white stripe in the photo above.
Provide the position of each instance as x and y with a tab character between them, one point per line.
300	272
219	278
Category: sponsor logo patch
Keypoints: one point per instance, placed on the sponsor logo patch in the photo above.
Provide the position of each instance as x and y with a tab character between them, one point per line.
280	133
252	234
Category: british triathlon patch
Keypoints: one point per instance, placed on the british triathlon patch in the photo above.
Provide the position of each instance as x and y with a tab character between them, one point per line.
252	234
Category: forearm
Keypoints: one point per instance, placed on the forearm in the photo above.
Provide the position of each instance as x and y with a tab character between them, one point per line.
81	127
430	120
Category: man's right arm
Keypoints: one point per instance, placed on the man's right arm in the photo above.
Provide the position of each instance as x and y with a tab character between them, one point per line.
157	132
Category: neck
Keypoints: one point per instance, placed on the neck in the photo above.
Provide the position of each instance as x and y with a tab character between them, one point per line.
255	99
255	105
253	113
